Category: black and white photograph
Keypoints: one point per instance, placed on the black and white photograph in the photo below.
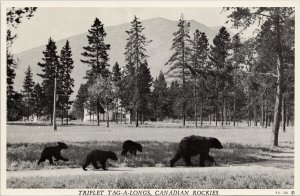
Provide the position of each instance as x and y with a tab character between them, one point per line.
149	98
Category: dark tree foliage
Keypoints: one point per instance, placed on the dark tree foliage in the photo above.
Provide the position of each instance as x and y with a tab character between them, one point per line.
144	84
278	24
135	55
14	17
199	62
127	88
219	53
38	98
50	69
65	79
27	92
116	79
79	103
181	46
97	58
96	52
160	99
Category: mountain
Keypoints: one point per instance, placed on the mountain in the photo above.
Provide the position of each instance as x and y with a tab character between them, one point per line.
159	30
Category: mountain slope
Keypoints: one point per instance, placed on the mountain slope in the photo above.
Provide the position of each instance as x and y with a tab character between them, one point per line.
159	30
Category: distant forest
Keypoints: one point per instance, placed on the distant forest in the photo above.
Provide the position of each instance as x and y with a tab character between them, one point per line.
222	83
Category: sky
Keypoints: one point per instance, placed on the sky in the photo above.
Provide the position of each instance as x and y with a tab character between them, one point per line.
60	23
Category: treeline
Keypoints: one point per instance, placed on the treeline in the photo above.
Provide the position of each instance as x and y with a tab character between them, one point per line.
224	82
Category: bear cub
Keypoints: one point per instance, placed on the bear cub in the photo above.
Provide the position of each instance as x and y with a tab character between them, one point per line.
99	156
132	147
53	151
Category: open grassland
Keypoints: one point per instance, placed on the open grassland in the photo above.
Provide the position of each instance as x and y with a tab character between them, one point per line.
155	154
244	149
195	178
148	132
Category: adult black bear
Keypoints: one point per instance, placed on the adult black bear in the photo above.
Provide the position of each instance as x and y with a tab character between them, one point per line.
53	151
98	155
132	147
194	145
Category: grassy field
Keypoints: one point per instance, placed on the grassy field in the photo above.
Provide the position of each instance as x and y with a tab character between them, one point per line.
243	146
206	178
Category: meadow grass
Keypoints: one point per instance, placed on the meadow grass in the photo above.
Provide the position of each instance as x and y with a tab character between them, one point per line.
225	179
148	132
243	146
24	156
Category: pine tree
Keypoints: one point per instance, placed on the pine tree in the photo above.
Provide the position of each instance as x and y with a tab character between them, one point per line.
181	45
97	57
51	69
116	78
135	54
278	20
144	85
219	54
96	52
160	99
199	58
237	60
38	98
66	81
14	17
81	98
127	89
103	88
28	85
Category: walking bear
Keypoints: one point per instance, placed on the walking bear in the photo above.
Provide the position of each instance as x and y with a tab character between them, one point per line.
99	156
194	145
53	151
132	147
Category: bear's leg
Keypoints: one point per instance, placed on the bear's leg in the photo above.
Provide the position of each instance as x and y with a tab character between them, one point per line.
187	161
50	160
134	152
42	159
103	164
124	152
175	159
202	159
59	157
211	160
87	162
94	163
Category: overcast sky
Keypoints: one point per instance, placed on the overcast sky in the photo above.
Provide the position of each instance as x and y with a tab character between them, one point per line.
60	23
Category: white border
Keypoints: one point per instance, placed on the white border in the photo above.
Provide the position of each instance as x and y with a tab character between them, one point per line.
5	4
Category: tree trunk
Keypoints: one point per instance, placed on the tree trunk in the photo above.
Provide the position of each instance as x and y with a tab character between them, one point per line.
107	117
222	110
278	102
201	111
255	115
98	113
117	108
136	117
195	102
283	114
121	116
130	121
62	115
234	111
262	112
67	116
216	114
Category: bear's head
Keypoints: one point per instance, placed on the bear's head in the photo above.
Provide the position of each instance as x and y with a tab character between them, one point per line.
62	145
112	156
139	147
215	143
